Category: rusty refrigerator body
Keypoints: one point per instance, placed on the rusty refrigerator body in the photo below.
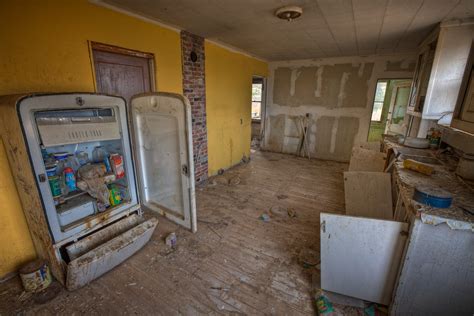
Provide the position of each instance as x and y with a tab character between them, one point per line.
84	176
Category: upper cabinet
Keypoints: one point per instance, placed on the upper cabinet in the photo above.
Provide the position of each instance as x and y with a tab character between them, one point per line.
463	117
439	71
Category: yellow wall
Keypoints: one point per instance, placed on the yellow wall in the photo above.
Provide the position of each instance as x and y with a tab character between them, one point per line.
228	101
43	47
16	246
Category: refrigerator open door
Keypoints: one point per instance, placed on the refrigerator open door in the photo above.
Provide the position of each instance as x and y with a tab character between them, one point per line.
162	141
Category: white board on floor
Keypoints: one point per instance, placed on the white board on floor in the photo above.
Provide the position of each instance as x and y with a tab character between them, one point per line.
368	194
360	256
363	159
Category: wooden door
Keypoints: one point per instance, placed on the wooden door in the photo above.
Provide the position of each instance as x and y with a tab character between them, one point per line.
122	72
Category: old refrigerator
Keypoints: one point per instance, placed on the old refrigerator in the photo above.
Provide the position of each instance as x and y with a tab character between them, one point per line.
86	165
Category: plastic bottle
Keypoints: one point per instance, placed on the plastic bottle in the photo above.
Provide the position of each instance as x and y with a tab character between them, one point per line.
61	165
70	179
99	154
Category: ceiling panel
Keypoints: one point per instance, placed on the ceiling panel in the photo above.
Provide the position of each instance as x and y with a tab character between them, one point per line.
327	27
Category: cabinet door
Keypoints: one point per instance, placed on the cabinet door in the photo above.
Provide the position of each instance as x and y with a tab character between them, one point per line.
467	110
163	155
360	256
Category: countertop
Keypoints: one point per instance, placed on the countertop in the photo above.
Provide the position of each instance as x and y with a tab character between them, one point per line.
443	177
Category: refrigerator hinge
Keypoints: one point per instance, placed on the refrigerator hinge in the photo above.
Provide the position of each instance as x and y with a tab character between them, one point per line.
185	170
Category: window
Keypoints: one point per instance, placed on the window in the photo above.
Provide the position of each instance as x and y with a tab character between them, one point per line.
378	101
257	89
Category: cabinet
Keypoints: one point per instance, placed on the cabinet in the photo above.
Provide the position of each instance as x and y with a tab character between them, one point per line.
464	112
439	71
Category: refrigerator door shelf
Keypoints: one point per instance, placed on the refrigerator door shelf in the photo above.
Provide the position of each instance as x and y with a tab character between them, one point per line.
162	146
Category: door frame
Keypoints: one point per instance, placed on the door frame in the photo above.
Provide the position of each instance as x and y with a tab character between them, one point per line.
393	99
122	51
263	105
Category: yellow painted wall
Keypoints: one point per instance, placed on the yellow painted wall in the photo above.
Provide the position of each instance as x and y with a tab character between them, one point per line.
43	47
228	101
16	246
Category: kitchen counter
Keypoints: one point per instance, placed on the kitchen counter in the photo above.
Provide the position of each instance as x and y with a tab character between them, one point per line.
457	216
436	274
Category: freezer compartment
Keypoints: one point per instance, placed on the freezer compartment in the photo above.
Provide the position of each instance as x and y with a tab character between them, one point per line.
104	250
74	126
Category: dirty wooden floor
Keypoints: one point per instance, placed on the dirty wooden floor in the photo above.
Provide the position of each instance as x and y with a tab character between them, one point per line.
235	263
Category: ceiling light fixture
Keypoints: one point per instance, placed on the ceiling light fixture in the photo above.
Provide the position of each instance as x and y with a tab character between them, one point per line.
289	13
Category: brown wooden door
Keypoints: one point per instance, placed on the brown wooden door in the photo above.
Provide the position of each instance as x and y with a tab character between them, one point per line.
121	74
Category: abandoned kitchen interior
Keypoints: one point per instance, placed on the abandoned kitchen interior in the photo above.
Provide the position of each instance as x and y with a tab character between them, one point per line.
248	157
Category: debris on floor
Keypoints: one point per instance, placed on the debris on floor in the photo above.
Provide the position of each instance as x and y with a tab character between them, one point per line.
282	196
234	180
277	210
171	240
282	211
323	305
309	258
291	212
333	304
265	217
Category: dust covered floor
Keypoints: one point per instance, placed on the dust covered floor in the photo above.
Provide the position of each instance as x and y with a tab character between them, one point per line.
235	263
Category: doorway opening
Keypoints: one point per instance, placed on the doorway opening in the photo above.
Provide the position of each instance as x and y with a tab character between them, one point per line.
389	108
121	71
257	110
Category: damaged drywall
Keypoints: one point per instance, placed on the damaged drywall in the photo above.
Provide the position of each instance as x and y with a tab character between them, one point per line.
336	93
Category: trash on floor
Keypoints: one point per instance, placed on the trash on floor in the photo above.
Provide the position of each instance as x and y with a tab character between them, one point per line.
282	196
323	305
277	210
234	180
171	240
291	212
308	257
35	276
265	217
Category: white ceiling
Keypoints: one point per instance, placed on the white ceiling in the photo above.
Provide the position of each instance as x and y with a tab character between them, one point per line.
327	28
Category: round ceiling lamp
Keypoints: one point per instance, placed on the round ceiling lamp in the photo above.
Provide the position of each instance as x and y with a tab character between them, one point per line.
289	13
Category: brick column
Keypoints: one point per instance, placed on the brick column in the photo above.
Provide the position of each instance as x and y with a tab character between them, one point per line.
194	88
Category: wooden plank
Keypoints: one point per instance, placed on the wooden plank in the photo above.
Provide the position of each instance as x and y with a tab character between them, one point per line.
360	256
366	160
368	194
12	135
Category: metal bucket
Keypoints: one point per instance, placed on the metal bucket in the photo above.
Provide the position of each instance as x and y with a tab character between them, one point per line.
35	276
